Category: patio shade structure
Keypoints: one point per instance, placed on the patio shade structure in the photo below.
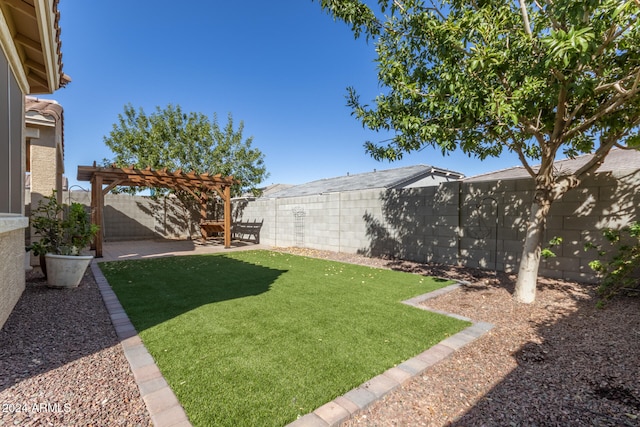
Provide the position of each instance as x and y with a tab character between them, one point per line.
198	185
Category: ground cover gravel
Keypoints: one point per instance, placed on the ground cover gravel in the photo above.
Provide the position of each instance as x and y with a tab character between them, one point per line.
61	363
558	362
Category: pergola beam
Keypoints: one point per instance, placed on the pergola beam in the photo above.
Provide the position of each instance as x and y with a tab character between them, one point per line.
198	185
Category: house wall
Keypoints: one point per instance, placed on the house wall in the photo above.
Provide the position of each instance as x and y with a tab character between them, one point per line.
12	219
11	140
12	253
46	167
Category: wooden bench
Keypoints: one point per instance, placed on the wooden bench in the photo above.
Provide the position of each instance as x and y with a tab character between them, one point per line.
245	230
208	227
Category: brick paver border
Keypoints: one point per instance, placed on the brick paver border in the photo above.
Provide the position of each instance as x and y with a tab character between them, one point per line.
344	407
162	405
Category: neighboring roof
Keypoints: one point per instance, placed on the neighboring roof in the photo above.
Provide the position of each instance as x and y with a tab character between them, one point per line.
617	159
35	29
45	107
38	111
265	191
390	178
274	188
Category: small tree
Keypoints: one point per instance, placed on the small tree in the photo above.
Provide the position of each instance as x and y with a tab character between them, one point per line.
61	229
537	78
172	139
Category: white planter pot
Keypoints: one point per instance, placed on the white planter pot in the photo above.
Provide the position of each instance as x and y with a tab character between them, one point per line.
66	271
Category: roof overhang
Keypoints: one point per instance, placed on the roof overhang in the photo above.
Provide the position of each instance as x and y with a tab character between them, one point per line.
30	39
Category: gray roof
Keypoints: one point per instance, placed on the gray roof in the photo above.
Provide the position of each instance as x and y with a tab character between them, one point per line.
266	191
274	188
383	179
617	160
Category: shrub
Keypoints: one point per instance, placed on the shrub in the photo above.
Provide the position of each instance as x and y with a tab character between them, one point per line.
621	273
62	229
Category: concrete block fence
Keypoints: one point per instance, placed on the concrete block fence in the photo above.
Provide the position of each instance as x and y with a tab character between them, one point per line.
475	224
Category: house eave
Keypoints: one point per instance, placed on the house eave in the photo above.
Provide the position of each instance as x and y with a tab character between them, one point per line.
30	38
49	41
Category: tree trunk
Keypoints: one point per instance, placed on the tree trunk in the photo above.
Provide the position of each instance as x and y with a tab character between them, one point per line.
43	265
525	291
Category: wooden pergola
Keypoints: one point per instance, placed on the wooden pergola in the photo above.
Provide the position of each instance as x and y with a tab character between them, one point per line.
198	185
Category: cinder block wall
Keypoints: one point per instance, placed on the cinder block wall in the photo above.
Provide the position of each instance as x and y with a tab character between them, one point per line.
129	217
475	224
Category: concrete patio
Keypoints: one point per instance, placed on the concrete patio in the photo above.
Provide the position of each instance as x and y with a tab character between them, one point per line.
138	249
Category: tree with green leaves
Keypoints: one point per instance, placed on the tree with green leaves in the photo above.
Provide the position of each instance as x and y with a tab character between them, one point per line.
172	139
539	78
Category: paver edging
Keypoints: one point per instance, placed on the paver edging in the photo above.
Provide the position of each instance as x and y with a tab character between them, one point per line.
403	372
162	404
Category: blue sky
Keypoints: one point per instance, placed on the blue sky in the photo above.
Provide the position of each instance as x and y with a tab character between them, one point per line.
282	67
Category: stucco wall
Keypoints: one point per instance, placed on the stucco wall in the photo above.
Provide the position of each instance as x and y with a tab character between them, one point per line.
46	173
12	277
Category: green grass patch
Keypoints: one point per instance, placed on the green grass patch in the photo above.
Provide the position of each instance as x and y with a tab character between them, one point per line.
261	337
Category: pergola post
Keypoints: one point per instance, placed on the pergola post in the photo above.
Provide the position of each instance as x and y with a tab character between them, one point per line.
203	214
227	216
97	206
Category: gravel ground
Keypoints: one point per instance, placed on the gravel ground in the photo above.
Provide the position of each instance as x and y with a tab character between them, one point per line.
61	363
558	362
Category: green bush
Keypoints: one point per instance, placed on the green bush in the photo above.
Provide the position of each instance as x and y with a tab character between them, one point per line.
621	273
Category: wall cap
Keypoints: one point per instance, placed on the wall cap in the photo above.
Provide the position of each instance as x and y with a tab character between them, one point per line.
11	222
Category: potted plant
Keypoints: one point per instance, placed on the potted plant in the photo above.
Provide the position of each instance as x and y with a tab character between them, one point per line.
64	231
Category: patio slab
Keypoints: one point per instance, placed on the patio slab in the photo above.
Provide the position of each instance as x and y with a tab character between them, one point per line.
142	249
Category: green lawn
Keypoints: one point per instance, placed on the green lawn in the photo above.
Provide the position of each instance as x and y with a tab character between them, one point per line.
260	337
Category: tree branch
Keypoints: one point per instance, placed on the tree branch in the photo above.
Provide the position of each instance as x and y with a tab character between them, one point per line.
554	23
533	130
524	162
399	5
614	103
436	10
600	154
525	18
559	122
597	159
622	147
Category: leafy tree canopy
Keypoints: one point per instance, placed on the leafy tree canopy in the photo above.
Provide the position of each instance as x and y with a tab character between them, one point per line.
539	78
476	75
170	138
